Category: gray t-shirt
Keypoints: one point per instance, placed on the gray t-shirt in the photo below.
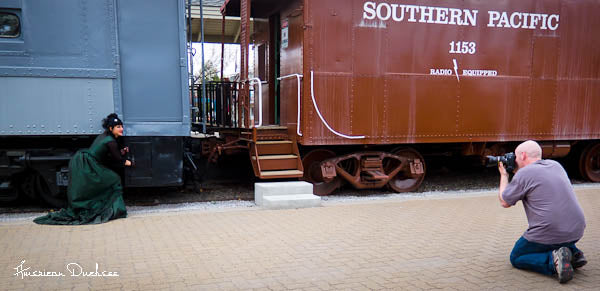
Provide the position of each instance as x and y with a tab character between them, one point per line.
553	212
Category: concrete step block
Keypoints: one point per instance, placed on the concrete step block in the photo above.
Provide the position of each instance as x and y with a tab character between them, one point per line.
265	189
291	201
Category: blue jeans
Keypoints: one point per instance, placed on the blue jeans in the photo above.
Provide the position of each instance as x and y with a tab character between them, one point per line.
537	257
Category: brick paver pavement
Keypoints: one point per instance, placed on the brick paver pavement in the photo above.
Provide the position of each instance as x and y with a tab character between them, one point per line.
457	243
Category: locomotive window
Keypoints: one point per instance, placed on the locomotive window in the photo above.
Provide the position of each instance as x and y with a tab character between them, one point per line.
10	26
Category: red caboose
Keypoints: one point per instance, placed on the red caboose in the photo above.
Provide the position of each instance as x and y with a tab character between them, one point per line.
358	90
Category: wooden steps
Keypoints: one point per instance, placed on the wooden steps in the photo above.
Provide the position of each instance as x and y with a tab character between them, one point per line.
274	155
283	172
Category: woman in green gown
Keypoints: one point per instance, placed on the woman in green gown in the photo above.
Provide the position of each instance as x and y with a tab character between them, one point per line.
95	194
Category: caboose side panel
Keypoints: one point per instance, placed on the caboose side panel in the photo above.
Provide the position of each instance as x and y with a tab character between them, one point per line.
578	80
451	71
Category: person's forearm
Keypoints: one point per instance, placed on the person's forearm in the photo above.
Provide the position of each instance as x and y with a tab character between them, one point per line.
503	184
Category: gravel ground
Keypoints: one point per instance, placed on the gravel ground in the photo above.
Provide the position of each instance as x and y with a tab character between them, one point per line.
232	187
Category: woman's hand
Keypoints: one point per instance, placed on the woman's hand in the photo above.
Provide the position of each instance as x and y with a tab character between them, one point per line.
128	163
124	150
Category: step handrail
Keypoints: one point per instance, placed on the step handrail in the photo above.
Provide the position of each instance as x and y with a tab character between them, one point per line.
298	76
260	109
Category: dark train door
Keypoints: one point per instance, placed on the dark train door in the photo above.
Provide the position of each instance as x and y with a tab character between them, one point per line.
266	68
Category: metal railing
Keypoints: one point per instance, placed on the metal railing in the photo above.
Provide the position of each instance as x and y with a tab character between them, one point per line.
257	81
298	86
221	105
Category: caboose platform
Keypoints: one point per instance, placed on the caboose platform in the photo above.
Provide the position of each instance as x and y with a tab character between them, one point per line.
273	152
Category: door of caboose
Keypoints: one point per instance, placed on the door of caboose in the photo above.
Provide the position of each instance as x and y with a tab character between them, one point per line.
266	68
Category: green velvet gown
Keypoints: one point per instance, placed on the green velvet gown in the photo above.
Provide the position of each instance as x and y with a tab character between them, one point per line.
95	194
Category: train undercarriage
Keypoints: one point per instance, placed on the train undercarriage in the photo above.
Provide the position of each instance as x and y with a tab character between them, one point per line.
31	169
399	168
403	168
37	168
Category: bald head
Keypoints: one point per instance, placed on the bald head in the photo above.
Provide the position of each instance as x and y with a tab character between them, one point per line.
529	151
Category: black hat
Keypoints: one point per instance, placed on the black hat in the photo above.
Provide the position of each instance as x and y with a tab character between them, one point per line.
111	120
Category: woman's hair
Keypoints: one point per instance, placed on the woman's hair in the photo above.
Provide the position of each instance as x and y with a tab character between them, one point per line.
111	121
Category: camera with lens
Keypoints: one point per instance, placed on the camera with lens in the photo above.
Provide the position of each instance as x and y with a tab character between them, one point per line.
508	160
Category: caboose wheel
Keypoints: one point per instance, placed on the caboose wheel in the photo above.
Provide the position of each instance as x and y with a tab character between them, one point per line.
312	172
589	162
405	180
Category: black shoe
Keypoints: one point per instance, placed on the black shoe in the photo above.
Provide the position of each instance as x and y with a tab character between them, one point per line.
578	260
562	262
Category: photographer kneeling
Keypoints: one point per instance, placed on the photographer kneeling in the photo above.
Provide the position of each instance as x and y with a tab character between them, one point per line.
555	218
